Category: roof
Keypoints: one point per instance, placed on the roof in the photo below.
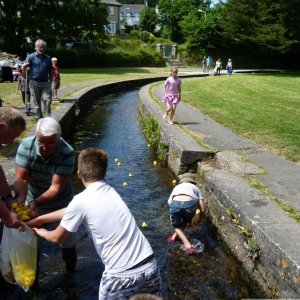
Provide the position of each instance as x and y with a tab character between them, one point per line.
133	7
111	2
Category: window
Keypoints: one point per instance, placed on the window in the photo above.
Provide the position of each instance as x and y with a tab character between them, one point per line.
111	10
111	27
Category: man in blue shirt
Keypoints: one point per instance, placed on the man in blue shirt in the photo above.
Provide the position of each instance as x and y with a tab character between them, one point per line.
45	163
40	76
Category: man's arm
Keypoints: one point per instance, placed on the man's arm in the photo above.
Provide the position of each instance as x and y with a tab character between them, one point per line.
8	217
57	185
20	185
55	236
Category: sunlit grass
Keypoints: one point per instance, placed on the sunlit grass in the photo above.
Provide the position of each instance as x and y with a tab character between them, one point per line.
263	108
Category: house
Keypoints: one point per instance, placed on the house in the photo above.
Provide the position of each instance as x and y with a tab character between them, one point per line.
130	14
114	8
121	14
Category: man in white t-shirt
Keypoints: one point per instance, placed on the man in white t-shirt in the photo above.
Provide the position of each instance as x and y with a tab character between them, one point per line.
130	266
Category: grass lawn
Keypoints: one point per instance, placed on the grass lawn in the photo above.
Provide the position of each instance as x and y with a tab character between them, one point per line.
73	76
263	108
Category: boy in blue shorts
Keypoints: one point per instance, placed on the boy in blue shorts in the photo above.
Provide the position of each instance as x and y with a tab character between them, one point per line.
184	200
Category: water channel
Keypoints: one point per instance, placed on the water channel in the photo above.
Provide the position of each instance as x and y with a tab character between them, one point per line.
112	124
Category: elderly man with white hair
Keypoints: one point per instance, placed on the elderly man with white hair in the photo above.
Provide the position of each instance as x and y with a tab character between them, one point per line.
40	78
45	163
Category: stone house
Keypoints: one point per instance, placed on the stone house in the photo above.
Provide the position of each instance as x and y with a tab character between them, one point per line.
114	8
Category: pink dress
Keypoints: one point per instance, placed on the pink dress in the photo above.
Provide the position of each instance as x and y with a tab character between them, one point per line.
172	89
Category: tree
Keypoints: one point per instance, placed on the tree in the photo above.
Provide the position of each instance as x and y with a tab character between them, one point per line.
202	32
254	25
174	11
68	19
148	19
11	24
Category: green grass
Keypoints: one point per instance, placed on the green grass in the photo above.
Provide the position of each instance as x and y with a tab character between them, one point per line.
73	76
263	108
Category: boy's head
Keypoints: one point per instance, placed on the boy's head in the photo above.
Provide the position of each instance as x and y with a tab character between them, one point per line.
92	164
12	124
54	60
187	177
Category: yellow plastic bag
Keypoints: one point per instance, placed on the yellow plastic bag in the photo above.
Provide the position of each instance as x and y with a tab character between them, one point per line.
22	256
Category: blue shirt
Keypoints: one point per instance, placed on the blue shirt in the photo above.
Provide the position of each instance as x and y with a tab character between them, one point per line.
41	171
39	66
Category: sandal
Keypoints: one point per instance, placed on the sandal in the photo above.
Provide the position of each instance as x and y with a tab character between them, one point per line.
170	240
190	251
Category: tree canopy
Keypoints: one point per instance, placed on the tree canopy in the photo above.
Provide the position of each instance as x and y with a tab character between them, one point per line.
52	20
262	26
148	19
231	26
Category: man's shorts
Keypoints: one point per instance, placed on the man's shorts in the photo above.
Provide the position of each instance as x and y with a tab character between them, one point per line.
123	285
56	84
182	212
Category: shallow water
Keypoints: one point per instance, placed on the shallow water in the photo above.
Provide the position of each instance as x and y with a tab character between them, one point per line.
112	125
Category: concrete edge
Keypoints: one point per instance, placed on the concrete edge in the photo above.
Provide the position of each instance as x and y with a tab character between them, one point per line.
276	271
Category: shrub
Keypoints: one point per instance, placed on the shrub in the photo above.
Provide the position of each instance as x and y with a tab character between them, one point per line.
144	36
120	53
135	34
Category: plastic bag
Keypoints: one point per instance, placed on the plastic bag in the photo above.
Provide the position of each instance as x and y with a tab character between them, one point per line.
21	249
5	265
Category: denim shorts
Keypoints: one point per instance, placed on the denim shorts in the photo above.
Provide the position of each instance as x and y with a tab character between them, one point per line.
182	212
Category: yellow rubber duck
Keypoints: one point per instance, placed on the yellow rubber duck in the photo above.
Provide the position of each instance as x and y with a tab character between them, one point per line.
144	225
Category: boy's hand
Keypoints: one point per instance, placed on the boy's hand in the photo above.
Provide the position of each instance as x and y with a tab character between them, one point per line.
40	231
35	223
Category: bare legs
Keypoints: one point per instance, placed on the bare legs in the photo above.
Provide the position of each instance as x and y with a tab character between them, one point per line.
179	233
170	111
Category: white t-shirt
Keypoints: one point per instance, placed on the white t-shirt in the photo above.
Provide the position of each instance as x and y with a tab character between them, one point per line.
186	188
118	241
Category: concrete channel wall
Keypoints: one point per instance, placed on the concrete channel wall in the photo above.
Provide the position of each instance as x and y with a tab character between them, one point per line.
259	234
231	203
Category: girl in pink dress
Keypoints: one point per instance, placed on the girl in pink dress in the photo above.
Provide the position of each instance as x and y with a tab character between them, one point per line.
172	94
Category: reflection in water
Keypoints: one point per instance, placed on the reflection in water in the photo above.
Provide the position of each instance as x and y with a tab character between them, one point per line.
112	125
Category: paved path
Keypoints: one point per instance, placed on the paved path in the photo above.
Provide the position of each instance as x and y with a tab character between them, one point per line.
281	177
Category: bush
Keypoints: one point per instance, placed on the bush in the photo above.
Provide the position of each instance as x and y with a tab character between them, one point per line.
144	36
128	28
120	53
134	34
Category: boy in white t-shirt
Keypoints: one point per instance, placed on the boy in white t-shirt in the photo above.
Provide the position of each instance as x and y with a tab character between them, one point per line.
130	266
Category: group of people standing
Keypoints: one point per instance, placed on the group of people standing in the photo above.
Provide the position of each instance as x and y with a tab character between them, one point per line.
39	80
207	63
45	163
